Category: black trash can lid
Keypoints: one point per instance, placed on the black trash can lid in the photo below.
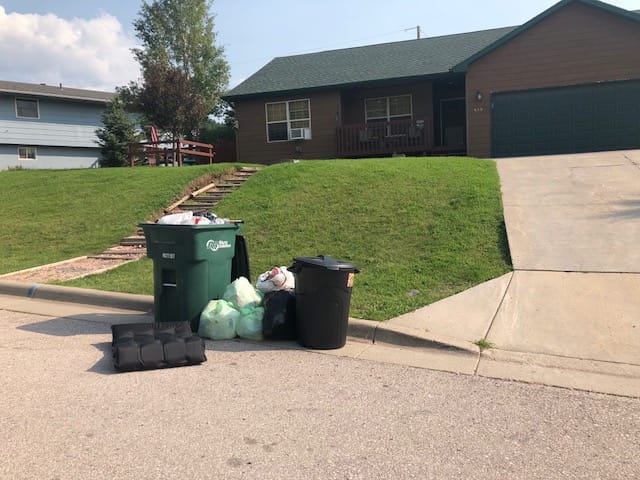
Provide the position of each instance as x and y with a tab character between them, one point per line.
326	262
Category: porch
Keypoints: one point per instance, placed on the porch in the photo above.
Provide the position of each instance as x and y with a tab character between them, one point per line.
407	136
181	152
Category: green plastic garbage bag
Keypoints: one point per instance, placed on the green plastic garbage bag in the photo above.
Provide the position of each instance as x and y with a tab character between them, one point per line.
218	320
249	324
242	294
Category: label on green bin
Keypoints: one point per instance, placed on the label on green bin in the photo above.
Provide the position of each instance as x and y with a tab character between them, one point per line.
170	256
215	245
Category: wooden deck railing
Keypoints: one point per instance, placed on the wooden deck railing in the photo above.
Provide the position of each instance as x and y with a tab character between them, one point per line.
154	154
385	138
187	148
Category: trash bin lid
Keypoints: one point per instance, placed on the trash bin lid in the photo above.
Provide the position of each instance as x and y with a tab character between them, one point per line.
326	262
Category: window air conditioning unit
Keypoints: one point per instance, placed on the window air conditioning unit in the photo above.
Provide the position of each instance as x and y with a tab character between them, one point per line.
300	134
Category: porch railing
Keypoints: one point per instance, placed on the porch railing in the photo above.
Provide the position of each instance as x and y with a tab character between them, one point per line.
150	153
385	138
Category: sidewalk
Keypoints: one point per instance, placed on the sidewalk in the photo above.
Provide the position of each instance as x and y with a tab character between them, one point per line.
581	355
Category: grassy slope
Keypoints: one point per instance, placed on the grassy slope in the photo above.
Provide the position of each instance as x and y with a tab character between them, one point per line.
51	215
431	225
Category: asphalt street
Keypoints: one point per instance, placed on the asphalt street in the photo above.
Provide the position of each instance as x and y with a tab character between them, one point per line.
277	411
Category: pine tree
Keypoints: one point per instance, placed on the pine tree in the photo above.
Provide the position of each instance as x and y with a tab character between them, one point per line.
116	134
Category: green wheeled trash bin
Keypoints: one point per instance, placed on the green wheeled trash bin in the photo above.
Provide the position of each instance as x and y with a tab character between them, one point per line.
191	266
323	297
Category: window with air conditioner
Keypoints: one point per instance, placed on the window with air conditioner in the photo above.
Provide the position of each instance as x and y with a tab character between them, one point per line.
289	120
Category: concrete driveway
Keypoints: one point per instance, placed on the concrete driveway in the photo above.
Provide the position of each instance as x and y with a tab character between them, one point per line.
573	213
569	314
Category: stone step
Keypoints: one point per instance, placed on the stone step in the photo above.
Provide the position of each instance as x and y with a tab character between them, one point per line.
201	202
133	241
207	198
197	207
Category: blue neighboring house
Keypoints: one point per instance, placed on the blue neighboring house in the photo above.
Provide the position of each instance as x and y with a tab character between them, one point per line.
44	126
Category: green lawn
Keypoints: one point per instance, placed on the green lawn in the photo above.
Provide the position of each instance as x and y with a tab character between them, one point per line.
420	229
52	215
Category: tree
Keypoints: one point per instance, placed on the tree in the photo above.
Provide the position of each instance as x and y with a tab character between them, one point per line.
116	134
169	101
215	130
184	73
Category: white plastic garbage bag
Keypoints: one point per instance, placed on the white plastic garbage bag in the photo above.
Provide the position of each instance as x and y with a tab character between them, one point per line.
201	220
184	218
249	324
278	278
242	294
218	320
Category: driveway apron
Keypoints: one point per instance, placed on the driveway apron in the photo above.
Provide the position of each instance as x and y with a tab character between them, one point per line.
573	224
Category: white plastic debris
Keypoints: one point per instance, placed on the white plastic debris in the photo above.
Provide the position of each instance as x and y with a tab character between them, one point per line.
185	218
278	278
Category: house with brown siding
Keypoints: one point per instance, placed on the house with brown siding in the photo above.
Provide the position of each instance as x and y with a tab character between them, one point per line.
566	81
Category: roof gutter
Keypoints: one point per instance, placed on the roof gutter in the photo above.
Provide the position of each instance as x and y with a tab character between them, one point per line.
50	95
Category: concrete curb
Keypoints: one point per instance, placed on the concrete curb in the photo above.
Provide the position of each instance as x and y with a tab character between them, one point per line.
387	333
86	296
361	330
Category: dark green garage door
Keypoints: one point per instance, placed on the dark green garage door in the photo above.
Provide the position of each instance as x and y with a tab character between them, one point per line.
585	118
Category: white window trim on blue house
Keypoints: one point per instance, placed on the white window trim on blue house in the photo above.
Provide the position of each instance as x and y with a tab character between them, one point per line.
32	101
27	153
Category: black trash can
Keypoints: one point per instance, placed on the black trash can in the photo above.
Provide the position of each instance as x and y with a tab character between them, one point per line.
323	297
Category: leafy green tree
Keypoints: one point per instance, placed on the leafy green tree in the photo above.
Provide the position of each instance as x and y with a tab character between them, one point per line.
215	130
116	134
169	101
178	57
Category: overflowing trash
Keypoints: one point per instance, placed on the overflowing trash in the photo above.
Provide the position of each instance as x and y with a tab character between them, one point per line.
242	294
254	313
238	313
249	324
276	279
279	321
218	320
191	218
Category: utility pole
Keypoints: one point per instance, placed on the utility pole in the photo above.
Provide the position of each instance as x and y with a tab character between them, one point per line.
417	28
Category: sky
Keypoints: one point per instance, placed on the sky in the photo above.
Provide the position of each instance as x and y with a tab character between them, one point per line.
87	43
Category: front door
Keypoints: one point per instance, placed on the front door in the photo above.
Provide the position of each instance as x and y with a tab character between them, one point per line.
453	131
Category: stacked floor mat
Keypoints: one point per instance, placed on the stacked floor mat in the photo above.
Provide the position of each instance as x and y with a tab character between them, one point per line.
145	346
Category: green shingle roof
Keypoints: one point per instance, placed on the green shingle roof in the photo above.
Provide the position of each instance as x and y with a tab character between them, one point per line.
388	61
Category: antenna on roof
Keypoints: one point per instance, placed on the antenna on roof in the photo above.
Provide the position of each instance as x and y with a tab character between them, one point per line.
417	29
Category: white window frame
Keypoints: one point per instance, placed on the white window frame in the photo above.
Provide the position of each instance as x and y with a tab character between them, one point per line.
288	120
26	157
18	99
388	116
